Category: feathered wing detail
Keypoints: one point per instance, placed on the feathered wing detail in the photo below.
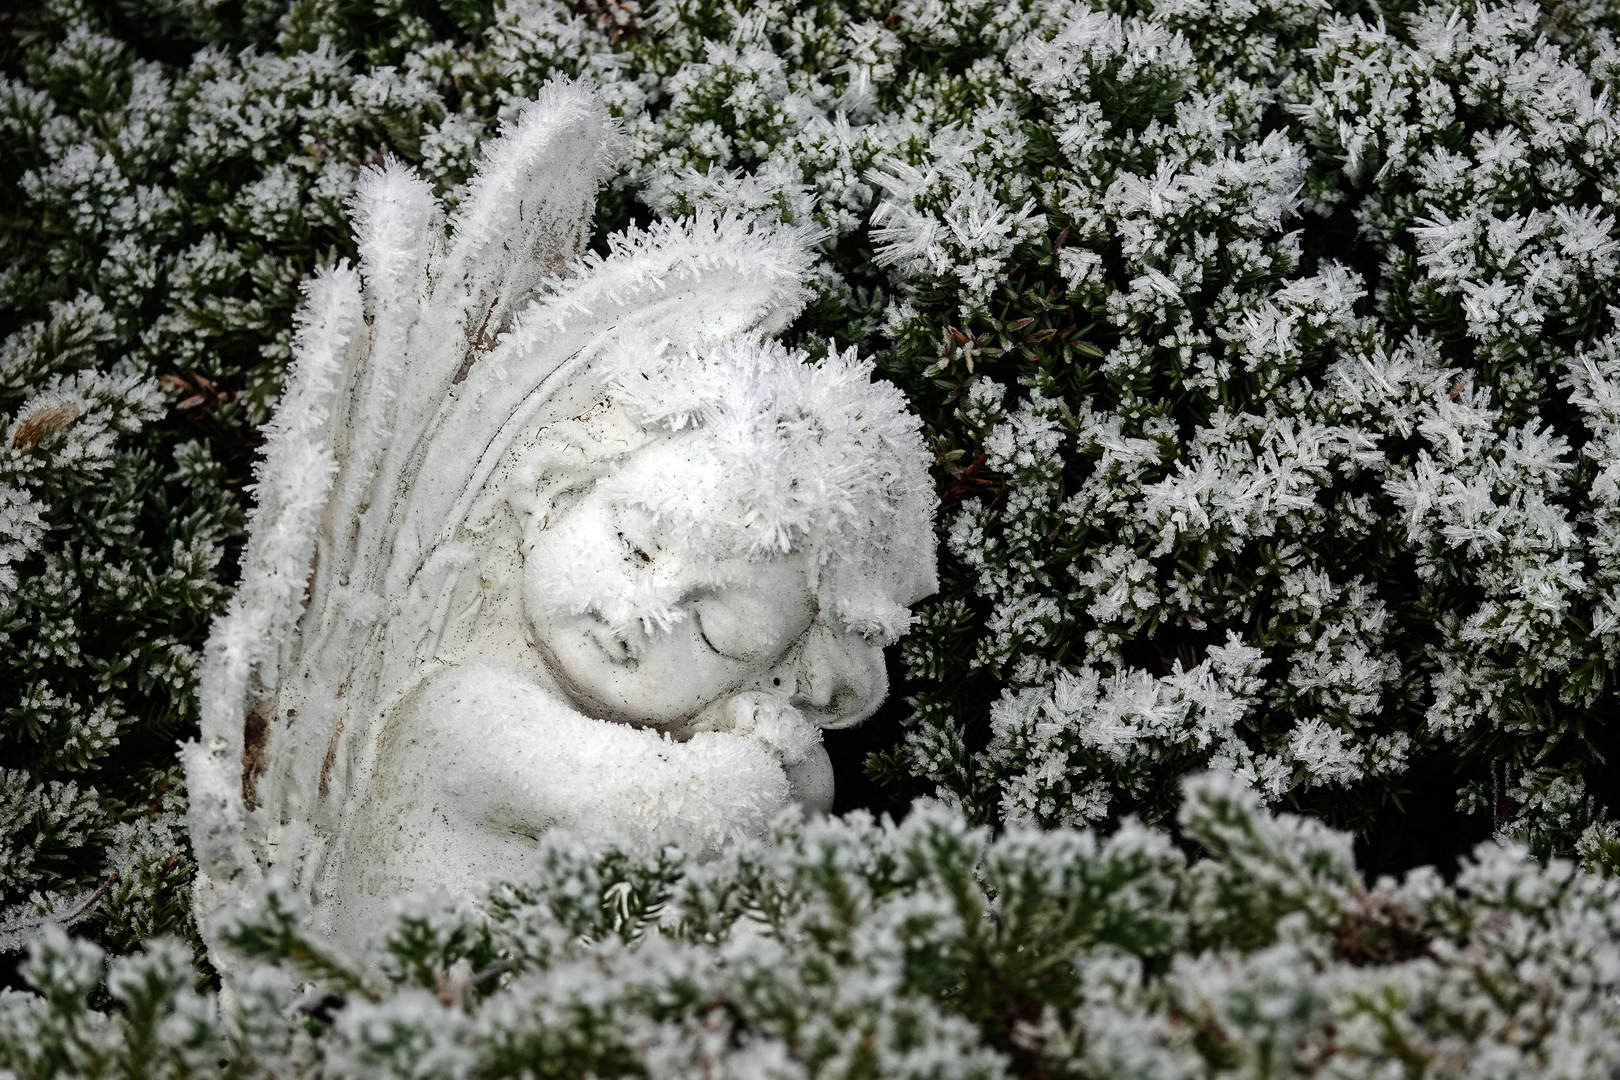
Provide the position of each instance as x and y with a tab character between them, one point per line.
401	232
433	308
253	642
526	215
400	229
369	373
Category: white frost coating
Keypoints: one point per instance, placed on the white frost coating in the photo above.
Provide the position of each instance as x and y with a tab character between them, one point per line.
240	661
21	529
546	539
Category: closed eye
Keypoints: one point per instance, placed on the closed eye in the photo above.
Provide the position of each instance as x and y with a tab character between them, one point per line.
691	601
740	626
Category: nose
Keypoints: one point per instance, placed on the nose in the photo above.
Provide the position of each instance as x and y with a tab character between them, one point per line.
839	680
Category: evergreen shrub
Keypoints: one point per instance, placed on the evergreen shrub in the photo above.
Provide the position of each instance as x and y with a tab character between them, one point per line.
1268	350
929	950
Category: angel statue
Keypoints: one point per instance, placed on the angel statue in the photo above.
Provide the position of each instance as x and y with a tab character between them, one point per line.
547	539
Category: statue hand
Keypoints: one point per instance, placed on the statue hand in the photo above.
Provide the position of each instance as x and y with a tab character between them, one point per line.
768	719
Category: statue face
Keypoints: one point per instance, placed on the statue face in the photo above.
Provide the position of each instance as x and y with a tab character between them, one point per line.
637	620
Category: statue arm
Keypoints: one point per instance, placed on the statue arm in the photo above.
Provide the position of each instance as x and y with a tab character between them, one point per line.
510	756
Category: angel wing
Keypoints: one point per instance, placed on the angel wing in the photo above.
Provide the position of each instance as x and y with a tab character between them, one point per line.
412	376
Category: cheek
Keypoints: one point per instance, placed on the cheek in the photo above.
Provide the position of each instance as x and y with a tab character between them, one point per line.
649	696
573	571
673	674
679	659
569	572
677	675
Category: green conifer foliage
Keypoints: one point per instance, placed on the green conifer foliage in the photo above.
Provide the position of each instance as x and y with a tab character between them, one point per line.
1285	446
928	950
1267	350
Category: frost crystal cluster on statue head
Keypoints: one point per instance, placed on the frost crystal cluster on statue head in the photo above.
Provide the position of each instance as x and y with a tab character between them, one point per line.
812	457
548	539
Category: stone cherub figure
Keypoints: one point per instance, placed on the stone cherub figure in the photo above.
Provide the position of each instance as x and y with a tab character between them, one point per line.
546	539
